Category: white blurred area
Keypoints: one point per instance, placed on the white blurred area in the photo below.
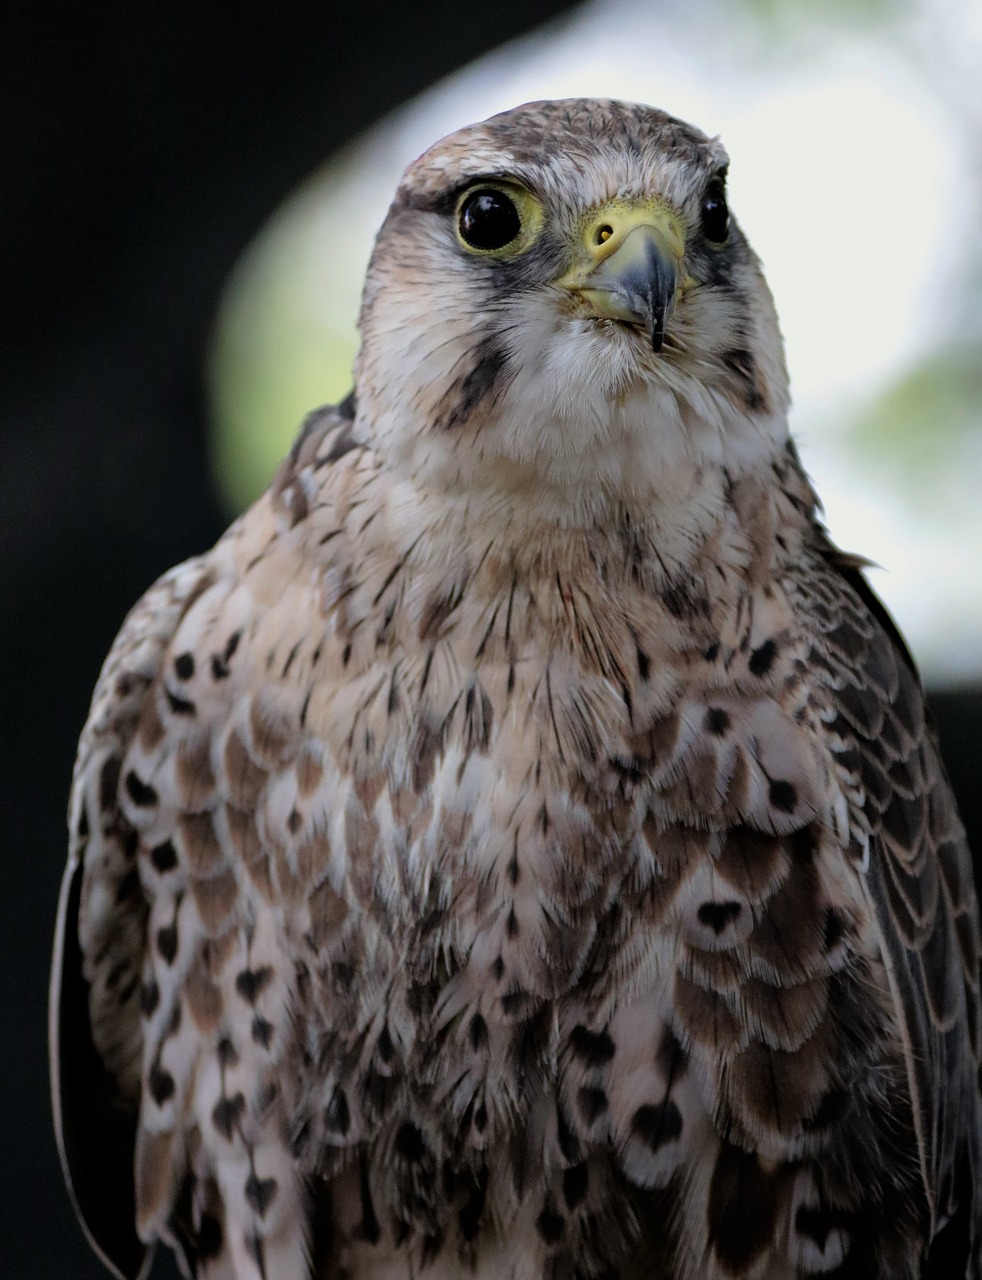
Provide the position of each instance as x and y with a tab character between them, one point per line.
856	172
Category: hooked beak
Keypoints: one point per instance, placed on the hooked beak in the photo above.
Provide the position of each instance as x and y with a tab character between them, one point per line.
634	272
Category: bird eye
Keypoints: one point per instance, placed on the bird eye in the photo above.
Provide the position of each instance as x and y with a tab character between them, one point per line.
715	215
488	219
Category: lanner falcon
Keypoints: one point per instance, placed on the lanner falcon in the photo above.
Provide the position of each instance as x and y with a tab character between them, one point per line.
517	850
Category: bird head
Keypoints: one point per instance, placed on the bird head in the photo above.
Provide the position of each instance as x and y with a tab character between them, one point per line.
559	298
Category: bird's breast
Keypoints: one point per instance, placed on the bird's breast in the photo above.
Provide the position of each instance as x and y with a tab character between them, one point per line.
555	863
585	918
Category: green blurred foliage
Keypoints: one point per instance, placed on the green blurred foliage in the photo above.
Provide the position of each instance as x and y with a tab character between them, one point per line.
790	14
284	343
922	433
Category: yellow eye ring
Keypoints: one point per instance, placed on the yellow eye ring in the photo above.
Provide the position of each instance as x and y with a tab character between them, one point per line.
497	219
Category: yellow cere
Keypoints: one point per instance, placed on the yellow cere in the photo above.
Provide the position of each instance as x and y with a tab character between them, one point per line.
609	224
602	230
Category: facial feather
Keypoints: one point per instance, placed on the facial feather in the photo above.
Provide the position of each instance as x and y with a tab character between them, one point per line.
485	375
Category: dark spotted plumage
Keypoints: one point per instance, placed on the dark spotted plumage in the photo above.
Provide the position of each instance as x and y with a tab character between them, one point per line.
517	849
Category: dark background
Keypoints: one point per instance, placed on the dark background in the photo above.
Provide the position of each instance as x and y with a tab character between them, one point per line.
142	147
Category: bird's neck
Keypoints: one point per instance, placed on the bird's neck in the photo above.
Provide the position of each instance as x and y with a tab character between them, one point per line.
709	523
466	503
652	453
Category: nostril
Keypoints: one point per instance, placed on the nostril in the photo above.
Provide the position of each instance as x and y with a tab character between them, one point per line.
603	234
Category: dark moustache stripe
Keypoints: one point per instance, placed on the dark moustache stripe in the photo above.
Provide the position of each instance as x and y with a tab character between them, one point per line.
468	392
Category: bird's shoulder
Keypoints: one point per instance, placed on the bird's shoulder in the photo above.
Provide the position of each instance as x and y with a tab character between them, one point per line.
178	729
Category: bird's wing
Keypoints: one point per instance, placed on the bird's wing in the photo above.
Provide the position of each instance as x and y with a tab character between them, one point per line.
920	882
95	1036
104	976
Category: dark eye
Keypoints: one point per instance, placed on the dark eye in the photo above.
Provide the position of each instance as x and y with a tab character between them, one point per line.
715	215
488	219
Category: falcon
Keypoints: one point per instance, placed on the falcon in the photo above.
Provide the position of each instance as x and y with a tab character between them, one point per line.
518	850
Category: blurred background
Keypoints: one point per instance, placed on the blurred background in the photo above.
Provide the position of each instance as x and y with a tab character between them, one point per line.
190	192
